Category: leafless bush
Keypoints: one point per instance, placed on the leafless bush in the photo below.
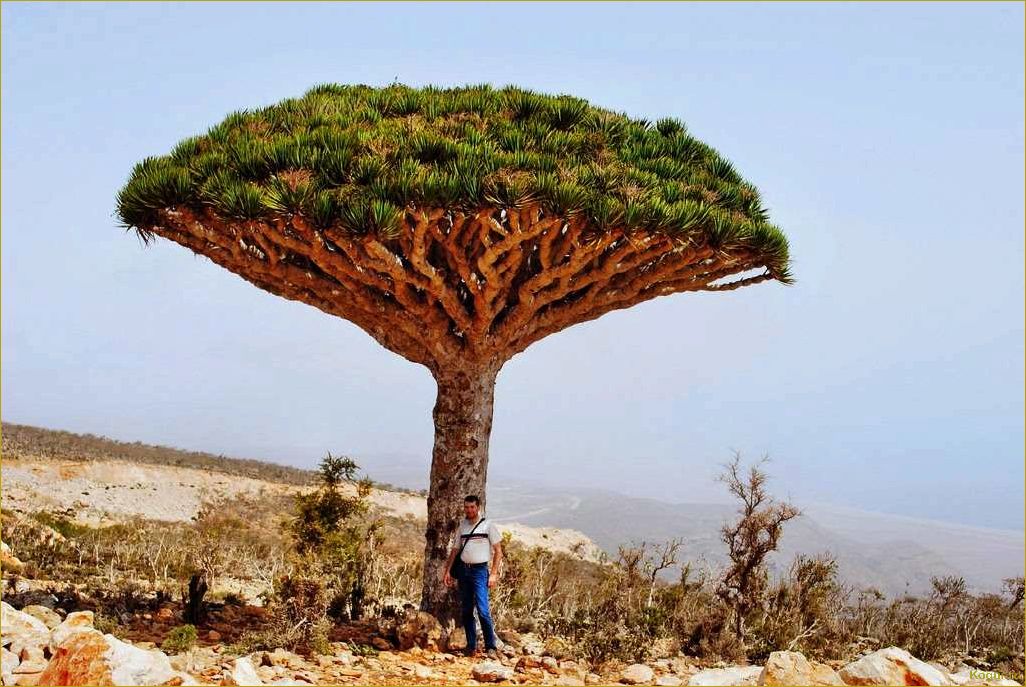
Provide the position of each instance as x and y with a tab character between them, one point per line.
749	540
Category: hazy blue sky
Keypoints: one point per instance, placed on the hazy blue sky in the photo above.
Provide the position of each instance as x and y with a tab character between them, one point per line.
887	140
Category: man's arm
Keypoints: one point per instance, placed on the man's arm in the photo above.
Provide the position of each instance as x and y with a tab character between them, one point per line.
447	578
496	568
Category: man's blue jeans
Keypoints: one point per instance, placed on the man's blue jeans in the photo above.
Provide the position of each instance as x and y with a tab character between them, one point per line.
474	594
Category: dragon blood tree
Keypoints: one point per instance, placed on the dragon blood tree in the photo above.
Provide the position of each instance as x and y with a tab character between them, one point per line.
457	227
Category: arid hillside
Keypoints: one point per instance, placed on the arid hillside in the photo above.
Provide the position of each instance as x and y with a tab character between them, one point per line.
134	564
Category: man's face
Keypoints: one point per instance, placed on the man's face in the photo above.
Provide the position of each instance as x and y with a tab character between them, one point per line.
470	510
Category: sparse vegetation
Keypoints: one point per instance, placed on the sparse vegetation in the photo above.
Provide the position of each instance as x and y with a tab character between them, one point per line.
330	560
181	638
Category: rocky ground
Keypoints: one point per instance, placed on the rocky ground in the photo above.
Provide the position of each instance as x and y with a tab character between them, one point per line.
42	646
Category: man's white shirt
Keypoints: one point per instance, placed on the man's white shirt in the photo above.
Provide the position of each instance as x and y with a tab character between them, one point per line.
478	548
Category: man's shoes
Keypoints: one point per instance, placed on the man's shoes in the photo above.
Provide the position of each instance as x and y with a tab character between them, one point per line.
493	654
470	652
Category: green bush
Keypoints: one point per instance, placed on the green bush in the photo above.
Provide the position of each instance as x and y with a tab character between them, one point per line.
179	639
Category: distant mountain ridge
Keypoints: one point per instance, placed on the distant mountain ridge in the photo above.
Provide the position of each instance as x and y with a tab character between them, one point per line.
893	553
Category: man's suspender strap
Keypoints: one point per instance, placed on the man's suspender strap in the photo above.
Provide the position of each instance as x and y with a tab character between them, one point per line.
466	537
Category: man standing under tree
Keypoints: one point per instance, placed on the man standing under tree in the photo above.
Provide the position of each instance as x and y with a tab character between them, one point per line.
478	545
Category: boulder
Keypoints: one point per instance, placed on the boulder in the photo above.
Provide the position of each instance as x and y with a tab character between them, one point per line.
8	662
419	629
79	660
726	677
87	657
892	666
45	615
21	630
637	674
16	622
491	671
792	668
241	672
78	621
31	661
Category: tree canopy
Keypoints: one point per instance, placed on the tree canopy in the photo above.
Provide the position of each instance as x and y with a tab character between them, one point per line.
459	223
355	156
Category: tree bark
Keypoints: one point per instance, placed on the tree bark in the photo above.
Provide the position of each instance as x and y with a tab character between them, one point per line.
459	467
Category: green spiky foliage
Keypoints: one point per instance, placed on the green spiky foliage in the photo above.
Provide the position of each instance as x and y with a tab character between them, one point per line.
355	157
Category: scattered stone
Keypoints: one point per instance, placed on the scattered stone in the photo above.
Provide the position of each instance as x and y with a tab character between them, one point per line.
570	681
423	672
278	657
668	681
558	648
525	663
214	636
241	672
350	672
550	664
892	666
456	639
510	637
593	679
726	677
533	648
792	668
419	629
637	674
491	671
380	643
680	665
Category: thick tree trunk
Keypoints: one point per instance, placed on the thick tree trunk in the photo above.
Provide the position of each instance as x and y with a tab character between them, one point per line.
459	466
